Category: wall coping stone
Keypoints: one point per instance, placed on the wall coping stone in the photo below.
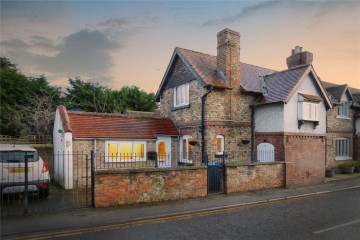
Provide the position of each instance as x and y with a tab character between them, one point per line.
141	170
237	164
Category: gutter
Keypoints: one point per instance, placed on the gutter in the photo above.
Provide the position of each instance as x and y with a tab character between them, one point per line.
203	149
252	154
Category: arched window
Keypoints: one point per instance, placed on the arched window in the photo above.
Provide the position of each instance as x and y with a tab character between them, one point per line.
161	151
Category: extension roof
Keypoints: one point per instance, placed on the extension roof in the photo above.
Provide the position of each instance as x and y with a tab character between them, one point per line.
116	126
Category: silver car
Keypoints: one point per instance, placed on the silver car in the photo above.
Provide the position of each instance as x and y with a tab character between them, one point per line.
12	169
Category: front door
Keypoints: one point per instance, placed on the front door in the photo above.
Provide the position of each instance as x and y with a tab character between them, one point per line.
163	149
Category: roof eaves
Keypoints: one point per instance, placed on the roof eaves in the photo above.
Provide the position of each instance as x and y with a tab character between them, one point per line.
157	95
64	117
192	70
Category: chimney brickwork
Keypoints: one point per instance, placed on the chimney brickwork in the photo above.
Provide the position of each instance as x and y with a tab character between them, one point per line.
298	57
228	56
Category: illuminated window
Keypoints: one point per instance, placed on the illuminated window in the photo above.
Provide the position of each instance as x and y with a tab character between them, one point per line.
219	144
122	151
162	151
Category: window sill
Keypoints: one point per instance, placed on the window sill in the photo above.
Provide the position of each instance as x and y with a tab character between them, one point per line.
180	107
343	117
342	158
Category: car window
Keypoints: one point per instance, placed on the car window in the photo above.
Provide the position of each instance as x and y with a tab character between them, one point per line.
18	156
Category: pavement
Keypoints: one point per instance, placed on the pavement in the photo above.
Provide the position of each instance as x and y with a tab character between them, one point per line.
30	225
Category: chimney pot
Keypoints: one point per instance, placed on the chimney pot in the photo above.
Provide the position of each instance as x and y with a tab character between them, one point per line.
298	57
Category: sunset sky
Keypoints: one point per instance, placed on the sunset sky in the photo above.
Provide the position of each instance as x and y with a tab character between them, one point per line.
119	43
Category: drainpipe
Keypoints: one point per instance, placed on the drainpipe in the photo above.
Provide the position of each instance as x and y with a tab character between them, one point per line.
252	106
203	150
354	139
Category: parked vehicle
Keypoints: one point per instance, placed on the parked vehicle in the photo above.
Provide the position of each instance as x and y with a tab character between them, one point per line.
12	169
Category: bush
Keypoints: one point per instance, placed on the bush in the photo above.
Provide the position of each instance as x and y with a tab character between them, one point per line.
348	164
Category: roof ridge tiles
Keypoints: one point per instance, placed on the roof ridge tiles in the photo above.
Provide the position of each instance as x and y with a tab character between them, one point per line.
116	115
180	48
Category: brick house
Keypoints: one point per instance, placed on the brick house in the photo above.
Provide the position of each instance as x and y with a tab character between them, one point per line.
343	124
237	108
134	135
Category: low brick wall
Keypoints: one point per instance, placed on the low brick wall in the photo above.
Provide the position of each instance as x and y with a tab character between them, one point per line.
251	177
119	187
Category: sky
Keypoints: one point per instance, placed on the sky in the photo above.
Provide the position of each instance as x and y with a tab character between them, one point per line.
124	43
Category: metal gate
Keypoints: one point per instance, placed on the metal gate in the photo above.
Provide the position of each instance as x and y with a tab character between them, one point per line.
216	173
22	198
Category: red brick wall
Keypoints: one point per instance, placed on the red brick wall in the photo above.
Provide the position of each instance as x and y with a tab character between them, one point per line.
276	139
305	160
252	177
114	188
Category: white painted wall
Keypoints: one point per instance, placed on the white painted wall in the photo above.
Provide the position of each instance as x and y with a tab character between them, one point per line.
269	118
357	126
282	117
308	86
63	154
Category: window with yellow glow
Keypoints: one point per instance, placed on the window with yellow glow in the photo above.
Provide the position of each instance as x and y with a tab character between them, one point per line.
139	150
126	151
162	151
118	151
112	151
219	144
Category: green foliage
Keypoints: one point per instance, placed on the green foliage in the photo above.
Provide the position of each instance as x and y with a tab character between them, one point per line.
92	97
22	100
28	104
347	164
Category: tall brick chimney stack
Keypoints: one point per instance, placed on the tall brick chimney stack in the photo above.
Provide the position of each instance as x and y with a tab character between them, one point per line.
228	56
298	57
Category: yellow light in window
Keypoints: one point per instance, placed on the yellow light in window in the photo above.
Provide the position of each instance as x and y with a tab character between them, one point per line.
126	151
139	150
112	151
162	151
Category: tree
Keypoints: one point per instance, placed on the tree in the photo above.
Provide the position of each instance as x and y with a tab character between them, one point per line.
24	101
93	97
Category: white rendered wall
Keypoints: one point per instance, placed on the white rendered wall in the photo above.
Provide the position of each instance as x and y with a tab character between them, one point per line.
63	154
269	118
308	86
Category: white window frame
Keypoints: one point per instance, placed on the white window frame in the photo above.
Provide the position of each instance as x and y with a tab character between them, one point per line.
343	110
342	149
222	144
118	156
308	111
181	95
184	158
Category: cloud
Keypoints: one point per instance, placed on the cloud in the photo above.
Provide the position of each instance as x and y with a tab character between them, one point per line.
245	12
82	53
85	53
33	10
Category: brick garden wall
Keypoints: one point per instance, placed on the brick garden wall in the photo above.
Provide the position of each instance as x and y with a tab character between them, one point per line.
115	188
276	139
242	178
305	160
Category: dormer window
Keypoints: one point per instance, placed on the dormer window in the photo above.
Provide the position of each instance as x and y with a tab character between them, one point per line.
343	110
181	95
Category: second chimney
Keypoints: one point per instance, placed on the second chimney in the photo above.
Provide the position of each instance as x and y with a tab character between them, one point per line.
228	56
298	57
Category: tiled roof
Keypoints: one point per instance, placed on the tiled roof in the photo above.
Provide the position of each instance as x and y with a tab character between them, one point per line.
96	125
281	84
337	91
205	66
